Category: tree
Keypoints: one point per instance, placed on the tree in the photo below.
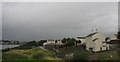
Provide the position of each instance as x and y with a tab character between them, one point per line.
28	45
64	40
56	41
78	41
83	55
33	43
14	42
118	37
18	42
84	46
68	42
40	43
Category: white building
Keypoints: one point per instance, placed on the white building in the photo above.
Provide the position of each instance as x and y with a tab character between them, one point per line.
82	39
53	42
96	42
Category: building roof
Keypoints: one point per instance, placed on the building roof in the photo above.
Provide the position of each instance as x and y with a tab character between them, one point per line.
80	37
91	34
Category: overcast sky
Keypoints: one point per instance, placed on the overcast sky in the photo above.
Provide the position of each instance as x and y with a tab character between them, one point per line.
35	21
0	20
60	0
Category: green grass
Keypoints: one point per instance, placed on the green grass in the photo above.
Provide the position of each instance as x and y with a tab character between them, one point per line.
31	60
31	54
108	55
83	55
38	54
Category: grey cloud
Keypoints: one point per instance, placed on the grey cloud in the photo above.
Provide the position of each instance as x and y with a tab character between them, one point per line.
28	21
0	20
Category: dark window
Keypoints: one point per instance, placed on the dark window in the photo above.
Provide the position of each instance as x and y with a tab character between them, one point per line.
100	48
90	49
106	48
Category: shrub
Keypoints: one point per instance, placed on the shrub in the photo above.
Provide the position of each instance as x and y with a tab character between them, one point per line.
118	53
37	56
13	56
107	56
103	57
83	55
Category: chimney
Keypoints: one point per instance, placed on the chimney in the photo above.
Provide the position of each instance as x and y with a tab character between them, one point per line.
92	31
96	30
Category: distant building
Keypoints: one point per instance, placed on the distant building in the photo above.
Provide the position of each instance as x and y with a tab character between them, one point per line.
53	42
59	42
96	42
82	39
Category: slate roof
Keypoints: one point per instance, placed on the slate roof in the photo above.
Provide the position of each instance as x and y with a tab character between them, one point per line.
91	34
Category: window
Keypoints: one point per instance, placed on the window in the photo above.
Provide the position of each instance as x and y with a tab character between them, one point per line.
100	48
91	49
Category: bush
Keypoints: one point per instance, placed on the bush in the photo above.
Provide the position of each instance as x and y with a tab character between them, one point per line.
28	45
103	57
37	56
13	56
83	55
107	56
40	43
118	53
35	53
40	54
